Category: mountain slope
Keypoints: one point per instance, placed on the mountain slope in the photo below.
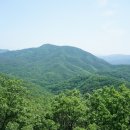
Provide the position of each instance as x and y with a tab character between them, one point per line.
89	83
117	59
49	64
3	50
34	90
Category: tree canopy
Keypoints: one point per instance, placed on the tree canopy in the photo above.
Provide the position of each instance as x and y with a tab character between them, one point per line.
103	109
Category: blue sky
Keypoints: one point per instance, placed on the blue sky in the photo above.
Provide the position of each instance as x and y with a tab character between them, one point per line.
97	26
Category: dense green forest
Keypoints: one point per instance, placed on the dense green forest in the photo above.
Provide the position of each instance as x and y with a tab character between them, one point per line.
62	88
102	109
88	83
50	64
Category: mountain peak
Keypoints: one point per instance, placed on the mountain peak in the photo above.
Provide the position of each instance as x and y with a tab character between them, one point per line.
51	63
48	45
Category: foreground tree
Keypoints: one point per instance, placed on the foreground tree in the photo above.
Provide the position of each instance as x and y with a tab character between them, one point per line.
42	116
109	109
12	102
69	110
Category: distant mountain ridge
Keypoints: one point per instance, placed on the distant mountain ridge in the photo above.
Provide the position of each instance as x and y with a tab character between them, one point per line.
49	63
3	50
117	59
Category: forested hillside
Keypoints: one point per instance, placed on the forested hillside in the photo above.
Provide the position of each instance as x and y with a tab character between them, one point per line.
21	103
62	88
88	83
57	68
49	64
103	109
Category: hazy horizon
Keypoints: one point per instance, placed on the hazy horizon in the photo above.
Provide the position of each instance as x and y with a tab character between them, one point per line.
100	27
99	55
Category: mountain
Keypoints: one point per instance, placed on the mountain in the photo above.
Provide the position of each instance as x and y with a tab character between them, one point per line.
3	50
50	64
117	59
